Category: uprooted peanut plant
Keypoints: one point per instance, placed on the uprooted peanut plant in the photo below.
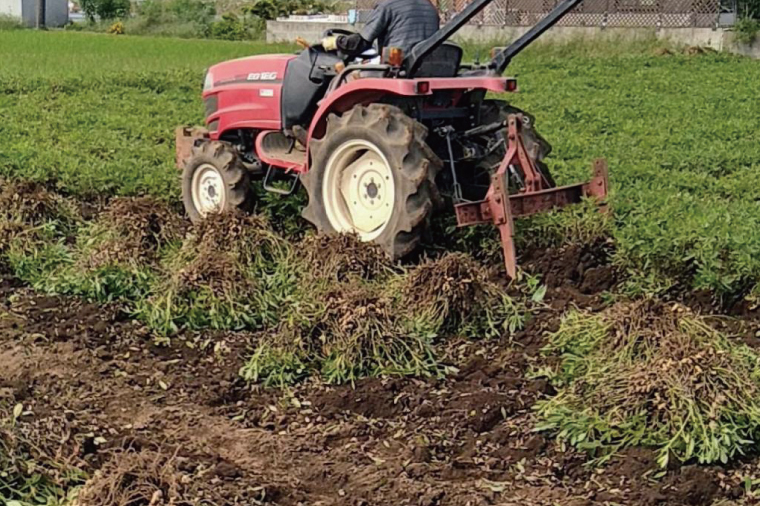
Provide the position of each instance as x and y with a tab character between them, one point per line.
357	315
654	375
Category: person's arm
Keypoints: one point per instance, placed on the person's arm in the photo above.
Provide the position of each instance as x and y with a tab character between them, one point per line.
351	45
355	44
377	25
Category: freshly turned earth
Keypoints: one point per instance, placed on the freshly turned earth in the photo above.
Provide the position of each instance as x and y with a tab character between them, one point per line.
180	419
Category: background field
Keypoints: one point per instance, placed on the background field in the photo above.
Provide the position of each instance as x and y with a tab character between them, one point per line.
134	344
94	115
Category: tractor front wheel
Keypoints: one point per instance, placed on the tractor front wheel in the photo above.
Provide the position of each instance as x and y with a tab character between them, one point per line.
214	181
372	174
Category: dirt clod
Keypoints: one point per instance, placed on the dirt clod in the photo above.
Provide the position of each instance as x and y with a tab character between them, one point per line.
586	268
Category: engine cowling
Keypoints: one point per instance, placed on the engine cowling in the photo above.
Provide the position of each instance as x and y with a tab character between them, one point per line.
245	93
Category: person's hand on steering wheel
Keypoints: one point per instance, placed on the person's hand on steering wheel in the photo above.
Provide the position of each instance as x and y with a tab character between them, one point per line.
336	39
330	43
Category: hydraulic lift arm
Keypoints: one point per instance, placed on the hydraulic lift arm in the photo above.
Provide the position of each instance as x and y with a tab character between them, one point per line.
502	60
414	60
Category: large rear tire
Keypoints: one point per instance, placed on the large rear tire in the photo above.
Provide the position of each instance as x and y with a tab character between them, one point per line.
372	174
214	181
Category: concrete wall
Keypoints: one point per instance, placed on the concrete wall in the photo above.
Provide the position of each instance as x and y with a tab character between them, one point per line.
287	31
56	12
11	8
718	39
751	50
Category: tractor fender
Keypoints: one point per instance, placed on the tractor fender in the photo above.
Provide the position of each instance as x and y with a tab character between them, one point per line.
369	90
361	91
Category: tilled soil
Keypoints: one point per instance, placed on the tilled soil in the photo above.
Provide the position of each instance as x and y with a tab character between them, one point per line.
175	424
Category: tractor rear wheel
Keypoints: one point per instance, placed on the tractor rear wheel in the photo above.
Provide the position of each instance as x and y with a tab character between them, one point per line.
214	181
372	174
498	110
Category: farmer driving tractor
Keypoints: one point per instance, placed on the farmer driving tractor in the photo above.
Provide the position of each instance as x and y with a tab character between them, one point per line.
399	24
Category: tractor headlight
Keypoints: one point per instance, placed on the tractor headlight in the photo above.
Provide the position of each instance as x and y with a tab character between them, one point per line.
208	82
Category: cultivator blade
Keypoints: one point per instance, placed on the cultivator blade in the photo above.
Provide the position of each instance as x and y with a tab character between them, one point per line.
499	207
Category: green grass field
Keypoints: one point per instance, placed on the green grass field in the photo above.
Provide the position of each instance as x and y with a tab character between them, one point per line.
94	115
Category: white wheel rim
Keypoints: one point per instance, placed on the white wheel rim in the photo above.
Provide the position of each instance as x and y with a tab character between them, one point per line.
208	190
358	190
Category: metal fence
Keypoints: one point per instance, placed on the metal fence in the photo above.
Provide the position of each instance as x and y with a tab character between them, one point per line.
619	13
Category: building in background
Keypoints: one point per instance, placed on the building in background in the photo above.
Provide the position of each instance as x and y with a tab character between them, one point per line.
56	11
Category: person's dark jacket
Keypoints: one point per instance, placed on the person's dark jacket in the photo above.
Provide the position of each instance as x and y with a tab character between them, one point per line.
393	23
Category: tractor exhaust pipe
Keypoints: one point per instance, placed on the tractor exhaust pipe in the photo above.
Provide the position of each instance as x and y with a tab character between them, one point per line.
418	54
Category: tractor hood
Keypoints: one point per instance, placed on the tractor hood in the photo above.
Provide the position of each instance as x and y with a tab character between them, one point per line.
244	93
261	68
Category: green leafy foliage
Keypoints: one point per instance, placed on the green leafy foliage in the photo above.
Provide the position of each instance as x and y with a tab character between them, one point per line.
105	9
266	9
230	27
112	258
651	375
31	473
746	29
682	152
95	115
749	8
354	316
272	9
233	272
680	215
178	18
198	18
10	23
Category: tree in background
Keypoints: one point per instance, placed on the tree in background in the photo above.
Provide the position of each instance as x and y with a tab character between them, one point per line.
748	26
105	9
272	9
749	9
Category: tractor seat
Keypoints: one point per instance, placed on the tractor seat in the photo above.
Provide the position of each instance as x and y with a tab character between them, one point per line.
444	61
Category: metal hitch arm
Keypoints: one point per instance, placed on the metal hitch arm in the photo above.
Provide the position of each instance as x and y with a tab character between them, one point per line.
501	60
500	208
414	60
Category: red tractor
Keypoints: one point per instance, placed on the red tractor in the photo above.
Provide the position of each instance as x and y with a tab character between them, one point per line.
383	144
